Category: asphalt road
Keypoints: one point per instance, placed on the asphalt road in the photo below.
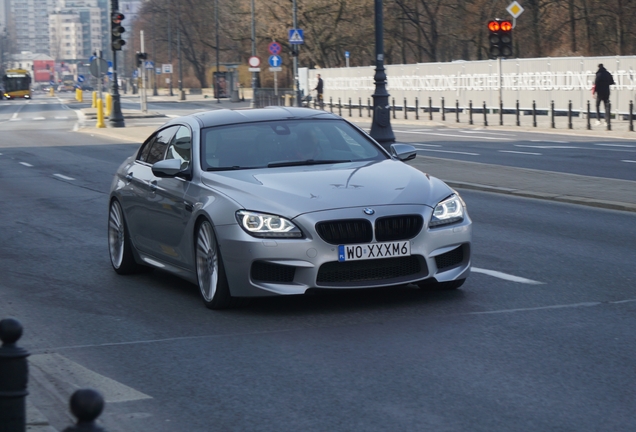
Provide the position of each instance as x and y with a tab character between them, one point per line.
539	338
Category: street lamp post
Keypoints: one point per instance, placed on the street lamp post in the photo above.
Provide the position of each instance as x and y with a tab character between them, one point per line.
253	103
116	118
381	127
216	81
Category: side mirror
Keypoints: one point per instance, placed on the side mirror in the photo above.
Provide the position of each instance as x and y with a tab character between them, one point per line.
167	168
403	152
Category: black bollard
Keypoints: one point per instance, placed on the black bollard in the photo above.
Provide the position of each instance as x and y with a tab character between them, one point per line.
339	107
470	112
589	125
569	114
608	114
443	111
368	107
331	104
534	114
405	110
14	375
359	107
631	116
456	111
349	107
86	406
430	108
417	109
552	113
393	100
500	113
518	121
485	118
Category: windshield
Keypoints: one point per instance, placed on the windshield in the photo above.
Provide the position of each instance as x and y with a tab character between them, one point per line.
285	143
16	82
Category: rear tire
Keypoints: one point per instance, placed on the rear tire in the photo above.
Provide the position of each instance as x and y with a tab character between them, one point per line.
446	286
119	245
211	279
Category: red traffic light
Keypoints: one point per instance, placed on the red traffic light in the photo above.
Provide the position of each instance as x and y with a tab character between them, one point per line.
505	26
117	17
493	26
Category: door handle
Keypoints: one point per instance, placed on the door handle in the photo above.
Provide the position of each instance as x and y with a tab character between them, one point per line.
129	176
153	185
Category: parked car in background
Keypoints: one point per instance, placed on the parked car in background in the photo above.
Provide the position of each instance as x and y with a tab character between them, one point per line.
278	201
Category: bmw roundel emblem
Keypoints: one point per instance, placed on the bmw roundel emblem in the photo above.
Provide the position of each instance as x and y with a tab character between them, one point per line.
369	211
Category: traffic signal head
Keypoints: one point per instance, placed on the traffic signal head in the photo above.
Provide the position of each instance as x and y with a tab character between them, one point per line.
116	31
500	38
140	58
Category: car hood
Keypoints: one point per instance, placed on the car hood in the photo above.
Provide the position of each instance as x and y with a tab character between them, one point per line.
291	191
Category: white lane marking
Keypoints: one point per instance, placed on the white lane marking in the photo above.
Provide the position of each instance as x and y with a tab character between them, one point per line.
615	145
14	119
39	118
26	164
61	118
562	306
172	115
505	276
452	136
519	152
448	151
547	147
425	145
548	141
73	376
63	177
630	161
486	132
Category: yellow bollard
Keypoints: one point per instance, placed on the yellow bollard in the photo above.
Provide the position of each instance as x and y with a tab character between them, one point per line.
100	114
79	95
109	103
94	105
51	92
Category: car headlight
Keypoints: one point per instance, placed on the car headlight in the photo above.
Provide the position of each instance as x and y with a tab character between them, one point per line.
267	225
448	211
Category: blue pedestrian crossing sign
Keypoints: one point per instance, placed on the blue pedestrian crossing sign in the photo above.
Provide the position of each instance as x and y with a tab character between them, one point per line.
80	78
149	64
296	36
275	61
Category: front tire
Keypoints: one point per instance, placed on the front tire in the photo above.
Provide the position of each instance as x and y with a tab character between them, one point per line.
119	245
211	278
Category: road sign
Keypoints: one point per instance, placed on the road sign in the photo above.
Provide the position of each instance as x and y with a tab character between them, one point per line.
274	48
103	65
346	54
254	62
158	71
167	68
515	9
148	64
296	36
80	78
135	73
275	69
110	67
275	61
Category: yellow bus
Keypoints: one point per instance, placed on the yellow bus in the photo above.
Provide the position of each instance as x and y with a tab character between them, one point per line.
16	83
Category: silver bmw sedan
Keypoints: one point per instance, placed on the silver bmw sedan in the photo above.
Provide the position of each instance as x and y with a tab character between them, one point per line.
276	201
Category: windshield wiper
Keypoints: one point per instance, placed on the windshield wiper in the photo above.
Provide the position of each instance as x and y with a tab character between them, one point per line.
305	162
227	168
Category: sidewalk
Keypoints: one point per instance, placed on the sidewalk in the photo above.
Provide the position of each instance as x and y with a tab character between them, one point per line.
570	188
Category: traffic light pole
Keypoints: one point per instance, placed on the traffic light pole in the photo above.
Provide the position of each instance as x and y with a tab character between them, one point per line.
116	118
499	84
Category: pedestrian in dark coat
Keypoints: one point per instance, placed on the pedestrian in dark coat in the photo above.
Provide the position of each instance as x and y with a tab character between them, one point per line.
602	84
319	88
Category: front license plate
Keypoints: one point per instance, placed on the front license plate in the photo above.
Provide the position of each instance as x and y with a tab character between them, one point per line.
373	251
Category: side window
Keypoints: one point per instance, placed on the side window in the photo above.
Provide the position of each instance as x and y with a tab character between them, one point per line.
142	156
158	148
181	147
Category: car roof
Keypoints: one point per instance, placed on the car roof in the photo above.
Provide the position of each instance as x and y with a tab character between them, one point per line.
227	116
